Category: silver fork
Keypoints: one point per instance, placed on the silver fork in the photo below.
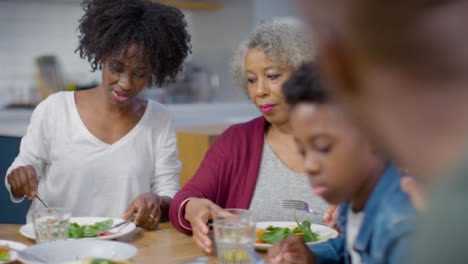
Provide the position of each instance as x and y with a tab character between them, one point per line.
42	202
300	205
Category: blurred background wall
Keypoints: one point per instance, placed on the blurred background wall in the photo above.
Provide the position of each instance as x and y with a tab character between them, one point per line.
32	28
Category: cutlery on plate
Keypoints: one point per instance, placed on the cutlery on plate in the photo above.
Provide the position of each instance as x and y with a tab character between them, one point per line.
121	225
40	200
29	256
299	205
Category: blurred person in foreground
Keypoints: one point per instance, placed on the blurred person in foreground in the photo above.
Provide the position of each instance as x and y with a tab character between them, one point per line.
401	69
376	216
106	151
253	165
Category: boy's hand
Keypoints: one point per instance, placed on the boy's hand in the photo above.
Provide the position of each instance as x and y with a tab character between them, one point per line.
23	181
291	250
330	216
416	191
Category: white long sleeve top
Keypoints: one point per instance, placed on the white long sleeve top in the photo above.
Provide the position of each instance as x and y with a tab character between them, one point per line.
78	171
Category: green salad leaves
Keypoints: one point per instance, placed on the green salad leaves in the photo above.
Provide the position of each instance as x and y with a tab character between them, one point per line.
275	234
102	261
79	231
5	256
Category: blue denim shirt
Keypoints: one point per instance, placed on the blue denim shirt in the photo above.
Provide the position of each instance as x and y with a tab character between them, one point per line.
385	233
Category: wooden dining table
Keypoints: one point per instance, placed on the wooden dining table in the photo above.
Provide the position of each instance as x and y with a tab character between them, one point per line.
163	245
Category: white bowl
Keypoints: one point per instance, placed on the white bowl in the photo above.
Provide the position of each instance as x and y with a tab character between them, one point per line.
75	250
14	245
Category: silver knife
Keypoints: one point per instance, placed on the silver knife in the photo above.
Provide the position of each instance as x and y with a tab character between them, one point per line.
123	223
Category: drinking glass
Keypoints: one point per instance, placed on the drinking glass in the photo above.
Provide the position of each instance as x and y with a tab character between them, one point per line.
51	224
234	232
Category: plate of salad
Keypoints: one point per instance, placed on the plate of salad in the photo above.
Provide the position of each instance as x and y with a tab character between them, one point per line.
7	255
87	228
269	233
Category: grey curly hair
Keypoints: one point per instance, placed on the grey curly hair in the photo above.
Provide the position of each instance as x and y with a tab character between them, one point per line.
282	39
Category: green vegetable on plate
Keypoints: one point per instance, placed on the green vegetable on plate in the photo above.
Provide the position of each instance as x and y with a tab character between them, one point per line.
5	256
102	261
275	234
80	231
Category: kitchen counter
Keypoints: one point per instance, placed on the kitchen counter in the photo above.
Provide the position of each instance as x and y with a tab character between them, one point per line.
204	118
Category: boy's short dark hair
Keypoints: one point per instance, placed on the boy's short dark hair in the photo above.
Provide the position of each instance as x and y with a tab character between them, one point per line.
304	85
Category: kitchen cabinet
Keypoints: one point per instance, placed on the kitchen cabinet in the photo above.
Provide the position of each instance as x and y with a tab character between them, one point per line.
193	142
11	213
192	150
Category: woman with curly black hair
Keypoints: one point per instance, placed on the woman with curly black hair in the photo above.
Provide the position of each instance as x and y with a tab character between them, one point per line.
105	151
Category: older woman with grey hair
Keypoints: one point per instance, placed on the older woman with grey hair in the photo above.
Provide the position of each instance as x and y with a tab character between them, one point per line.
254	165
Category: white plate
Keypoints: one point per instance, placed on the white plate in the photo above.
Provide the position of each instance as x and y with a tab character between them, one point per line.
75	250
12	244
321	230
28	230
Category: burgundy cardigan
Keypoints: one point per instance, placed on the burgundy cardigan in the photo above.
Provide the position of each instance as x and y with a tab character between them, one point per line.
228	173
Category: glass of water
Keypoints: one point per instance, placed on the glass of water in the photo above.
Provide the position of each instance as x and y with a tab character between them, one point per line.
51	224
234	232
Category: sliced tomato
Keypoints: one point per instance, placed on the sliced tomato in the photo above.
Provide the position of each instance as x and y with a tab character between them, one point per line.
107	234
258	234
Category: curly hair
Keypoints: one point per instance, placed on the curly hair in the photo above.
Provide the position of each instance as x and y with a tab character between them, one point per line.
304	85
111	26
283	39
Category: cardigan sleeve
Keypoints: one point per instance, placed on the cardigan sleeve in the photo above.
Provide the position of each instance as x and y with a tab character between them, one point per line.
204	184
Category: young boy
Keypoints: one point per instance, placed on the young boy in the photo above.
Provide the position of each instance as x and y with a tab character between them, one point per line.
375	216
